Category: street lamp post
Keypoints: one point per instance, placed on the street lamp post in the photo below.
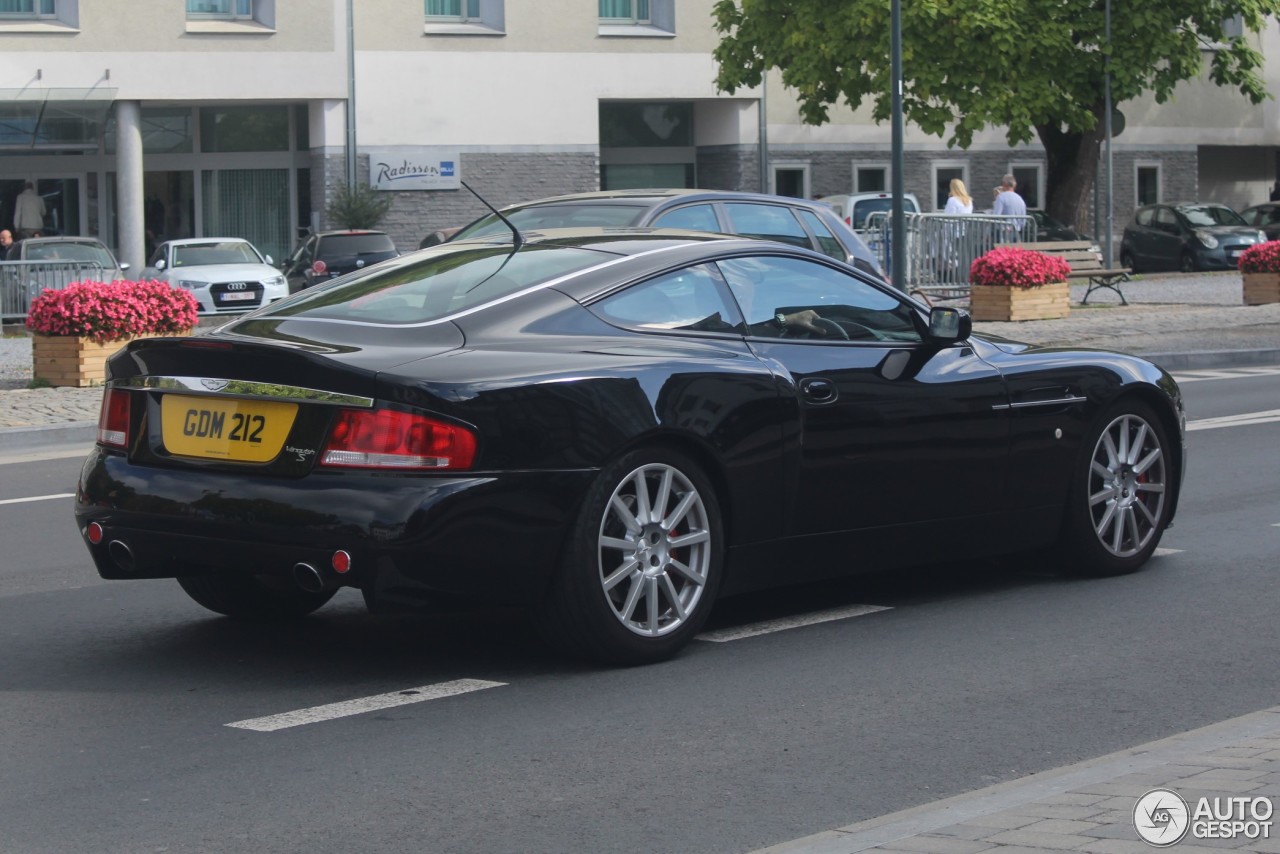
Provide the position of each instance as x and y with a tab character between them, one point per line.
1106	128
898	229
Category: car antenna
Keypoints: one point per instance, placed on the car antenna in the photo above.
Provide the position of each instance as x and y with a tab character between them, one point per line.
516	236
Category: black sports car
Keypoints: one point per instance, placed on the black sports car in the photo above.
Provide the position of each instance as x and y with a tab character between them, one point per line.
611	427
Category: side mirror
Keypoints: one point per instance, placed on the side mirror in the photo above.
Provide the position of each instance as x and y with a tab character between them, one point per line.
949	324
269	261
124	266
160	264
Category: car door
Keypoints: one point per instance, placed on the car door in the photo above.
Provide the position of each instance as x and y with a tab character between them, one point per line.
902	443
295	268
1166	239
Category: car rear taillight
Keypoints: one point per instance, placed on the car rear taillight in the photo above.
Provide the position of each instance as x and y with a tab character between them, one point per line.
384	438
319	267
113	420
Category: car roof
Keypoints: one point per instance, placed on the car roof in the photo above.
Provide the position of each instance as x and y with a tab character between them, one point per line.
622	197
64	239
187	241
346	231
627	240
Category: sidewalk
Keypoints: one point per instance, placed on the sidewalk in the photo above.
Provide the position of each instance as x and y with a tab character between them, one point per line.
1088	807
1179	321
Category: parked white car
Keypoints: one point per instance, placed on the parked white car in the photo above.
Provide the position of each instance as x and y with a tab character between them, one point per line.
224	274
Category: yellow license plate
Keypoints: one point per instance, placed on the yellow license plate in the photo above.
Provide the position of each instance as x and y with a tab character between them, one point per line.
249	431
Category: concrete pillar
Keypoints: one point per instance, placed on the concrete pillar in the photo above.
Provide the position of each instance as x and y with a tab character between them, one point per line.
130	219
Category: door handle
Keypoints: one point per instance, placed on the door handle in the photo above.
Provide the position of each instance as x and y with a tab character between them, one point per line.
819	390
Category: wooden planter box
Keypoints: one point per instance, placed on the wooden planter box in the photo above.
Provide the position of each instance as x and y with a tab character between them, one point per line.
998	302
67	361
1261	288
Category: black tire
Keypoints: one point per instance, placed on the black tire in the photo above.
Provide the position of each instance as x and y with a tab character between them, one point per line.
252	597
1121	493
1187	263
609	572
1126	260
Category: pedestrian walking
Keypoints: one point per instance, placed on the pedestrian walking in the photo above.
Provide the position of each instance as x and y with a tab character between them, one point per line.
28	212
1009	203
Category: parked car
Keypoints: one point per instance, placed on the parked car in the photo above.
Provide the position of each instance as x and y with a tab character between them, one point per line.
329	254
854	209
224	274
1049	229
1187	237
611	427
1266	217
794	221
52	262
86	250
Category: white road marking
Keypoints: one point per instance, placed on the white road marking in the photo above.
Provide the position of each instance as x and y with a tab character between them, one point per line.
37	498
1225	374
1161	552
359	706
1244	419
784	623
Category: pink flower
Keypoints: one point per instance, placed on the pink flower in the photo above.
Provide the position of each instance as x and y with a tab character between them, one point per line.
113	311
1262	258
1016	267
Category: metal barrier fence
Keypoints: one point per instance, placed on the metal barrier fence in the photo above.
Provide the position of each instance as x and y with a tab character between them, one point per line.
22	281
941	247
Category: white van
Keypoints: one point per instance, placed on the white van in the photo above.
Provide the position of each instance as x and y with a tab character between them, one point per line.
854	209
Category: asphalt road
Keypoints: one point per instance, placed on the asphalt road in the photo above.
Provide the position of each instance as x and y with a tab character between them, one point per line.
116	698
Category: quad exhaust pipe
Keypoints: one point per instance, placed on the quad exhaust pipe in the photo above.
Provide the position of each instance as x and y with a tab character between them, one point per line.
308	577
121	554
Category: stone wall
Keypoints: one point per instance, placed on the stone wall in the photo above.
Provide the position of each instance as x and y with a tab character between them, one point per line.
502	178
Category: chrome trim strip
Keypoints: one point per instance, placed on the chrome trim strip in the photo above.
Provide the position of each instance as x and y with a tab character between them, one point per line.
1030	403
497	301
213	386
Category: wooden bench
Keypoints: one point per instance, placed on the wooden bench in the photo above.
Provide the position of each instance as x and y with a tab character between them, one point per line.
1086	263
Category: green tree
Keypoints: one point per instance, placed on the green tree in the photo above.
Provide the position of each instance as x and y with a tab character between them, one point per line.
1033	67
360	206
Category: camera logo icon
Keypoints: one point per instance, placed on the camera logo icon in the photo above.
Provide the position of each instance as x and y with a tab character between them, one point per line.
1161	818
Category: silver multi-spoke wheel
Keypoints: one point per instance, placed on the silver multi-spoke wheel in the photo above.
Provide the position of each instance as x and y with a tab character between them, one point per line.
654	550
1128	477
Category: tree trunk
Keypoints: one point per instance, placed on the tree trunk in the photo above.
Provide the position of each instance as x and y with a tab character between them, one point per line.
1073	163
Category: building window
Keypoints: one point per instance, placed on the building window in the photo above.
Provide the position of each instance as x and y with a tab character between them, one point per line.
624	11
461	11
27	9
1030	178
870	178
637	18
943	172
464	17
1147	183
220	10
791	179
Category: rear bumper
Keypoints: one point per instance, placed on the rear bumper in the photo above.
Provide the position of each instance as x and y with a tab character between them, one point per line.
494	536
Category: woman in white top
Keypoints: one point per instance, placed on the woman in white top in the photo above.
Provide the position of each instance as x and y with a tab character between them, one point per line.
959	202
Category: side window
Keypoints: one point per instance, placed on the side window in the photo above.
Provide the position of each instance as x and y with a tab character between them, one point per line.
691	299
695	217
771	222
827	242
816	301
1145	216
1166	221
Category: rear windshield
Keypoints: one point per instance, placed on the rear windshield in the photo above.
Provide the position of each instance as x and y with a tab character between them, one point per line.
555	216
1210	215
866	207
436	283
355	244
201	254
70	252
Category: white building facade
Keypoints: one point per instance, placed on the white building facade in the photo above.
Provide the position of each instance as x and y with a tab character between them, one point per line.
142	120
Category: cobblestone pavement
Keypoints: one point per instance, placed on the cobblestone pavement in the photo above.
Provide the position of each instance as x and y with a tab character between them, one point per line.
1088	807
